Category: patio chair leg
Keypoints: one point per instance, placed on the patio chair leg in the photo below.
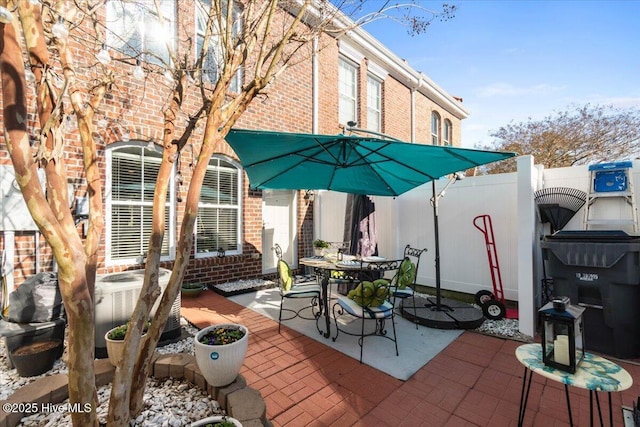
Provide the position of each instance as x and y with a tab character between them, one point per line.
361	340
280	314
415	309
395	337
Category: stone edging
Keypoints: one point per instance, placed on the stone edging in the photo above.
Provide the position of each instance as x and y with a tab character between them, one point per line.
239	401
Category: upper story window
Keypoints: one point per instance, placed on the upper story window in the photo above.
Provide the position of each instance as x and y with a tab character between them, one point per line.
132	171
347	91
374	104
218	225
135	27
447	132
211	68
435	128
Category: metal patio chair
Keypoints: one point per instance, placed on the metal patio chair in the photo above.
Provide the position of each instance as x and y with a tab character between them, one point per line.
404	283
370	301
290	290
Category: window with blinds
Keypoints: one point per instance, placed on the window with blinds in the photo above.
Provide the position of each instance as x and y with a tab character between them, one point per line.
218	223
133	172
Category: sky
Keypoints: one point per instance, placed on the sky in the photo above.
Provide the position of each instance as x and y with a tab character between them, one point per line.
515	60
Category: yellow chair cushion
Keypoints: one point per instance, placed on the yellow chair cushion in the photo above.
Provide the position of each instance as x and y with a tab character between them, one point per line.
286	275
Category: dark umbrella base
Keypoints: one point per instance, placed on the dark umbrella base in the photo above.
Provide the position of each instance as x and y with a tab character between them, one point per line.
451	314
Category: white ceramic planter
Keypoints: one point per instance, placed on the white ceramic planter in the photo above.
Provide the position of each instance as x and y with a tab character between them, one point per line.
220	364
115	348
215	419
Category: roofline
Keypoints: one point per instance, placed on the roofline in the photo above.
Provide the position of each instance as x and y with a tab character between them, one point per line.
374	50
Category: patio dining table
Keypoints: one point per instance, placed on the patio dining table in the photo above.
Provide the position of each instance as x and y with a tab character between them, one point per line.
324	267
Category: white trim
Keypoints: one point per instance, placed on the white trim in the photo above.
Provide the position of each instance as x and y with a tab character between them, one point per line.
377	70
350	52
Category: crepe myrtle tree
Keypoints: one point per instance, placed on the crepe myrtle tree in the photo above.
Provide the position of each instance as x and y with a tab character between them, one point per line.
579	135
262	38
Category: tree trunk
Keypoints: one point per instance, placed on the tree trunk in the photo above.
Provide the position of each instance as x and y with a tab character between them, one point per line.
67	247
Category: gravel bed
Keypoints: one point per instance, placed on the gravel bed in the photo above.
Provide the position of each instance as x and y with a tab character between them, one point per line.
242	286
168	402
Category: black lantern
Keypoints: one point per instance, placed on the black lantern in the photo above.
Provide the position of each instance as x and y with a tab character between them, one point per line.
221	252
562	334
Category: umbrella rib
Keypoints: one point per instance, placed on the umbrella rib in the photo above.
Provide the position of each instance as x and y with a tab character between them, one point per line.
389	159
303	158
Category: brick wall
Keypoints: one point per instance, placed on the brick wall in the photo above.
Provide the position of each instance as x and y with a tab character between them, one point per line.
136	107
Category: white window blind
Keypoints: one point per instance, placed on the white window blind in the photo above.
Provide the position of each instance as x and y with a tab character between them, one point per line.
218	222
133	174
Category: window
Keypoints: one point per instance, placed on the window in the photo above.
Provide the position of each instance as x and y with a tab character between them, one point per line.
215	55
132	173
219	220
435	128
446	135
134	28
374	104
348	91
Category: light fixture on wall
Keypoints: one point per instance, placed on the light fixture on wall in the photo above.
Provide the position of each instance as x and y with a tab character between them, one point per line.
221	252
310	195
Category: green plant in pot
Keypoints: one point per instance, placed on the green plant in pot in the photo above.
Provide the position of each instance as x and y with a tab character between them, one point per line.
319	246
115	341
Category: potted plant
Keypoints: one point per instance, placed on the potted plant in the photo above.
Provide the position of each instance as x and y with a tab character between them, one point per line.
217	421
220	351
192	290
115	341
319	246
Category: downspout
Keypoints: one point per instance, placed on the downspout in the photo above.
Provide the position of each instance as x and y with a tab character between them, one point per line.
414	90
315	95
314	88
413	115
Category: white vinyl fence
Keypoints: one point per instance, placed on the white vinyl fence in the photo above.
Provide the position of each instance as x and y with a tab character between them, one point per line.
509	201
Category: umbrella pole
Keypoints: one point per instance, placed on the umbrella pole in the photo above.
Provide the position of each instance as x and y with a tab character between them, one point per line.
437	242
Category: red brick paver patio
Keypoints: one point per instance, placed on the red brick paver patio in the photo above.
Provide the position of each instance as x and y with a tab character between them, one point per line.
475	381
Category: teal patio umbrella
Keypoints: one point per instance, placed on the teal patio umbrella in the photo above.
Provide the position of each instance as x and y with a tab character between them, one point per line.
351	164
347	163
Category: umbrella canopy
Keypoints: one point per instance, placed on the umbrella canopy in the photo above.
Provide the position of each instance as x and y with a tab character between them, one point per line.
347	163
